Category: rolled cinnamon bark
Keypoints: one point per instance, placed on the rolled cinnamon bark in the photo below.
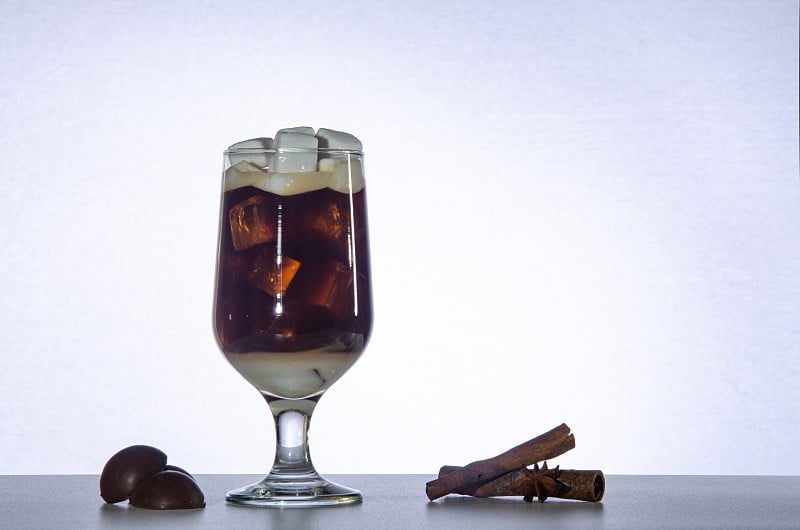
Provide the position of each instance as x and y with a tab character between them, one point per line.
575	484
548	445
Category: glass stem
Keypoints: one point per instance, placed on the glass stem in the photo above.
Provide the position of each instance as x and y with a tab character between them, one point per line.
292	457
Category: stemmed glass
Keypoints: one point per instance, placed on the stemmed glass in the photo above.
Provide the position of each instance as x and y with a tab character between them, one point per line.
293	308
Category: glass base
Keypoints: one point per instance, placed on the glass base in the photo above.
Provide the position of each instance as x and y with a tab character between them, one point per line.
296	492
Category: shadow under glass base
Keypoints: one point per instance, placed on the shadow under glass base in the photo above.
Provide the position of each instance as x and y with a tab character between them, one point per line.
295	492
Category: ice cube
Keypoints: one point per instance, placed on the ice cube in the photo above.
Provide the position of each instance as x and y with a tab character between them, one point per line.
346	174
251	223
301	130
287	159
273	272
294	183
330	139
331	286
244	174
332	223
329	222
258	159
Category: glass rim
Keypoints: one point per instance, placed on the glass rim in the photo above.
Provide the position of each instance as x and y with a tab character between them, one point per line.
263	150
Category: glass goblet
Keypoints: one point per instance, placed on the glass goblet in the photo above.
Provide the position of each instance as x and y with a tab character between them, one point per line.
293	308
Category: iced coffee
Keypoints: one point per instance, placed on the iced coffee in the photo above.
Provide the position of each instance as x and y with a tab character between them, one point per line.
293	305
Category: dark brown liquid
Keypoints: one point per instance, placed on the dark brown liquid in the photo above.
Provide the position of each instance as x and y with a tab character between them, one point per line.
292	272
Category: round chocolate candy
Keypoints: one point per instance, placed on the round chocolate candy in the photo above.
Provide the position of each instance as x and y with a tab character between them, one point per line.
168	490
125	470
170	467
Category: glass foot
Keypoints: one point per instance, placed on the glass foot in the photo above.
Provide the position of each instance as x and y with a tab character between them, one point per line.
295	492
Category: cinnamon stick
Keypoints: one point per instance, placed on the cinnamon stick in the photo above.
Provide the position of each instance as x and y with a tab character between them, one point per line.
548	445
575	484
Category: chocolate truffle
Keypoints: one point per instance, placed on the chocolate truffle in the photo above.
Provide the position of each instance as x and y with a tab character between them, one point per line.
124	471
168	490
170	467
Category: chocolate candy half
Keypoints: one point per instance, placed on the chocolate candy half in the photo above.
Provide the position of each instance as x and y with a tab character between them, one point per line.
168	490
170	467
126	470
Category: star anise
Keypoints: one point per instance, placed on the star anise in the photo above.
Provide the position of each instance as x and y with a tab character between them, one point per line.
541	481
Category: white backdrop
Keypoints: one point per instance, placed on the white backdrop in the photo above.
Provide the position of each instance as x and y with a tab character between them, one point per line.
580	211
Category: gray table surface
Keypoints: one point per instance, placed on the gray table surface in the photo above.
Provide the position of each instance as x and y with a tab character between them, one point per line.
399	501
